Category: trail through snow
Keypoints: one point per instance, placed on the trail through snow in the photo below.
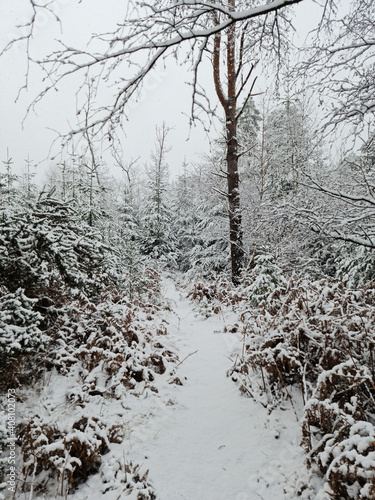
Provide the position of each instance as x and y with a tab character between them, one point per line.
213	443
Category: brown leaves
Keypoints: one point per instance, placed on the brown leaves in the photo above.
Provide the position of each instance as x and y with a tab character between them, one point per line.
320	336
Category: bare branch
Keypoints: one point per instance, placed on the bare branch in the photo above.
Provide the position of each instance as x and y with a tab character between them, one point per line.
151	33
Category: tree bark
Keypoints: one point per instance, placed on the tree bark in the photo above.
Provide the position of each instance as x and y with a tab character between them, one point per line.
234	206
229	104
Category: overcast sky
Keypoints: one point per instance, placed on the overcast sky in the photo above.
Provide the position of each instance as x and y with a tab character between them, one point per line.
166	97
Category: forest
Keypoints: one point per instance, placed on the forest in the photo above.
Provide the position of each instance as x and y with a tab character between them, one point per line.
206	332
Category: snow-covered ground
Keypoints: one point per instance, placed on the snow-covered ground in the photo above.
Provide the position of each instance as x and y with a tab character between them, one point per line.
214	443
202	440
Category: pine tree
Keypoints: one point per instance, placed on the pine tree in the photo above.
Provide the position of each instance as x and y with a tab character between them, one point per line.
19	322
290	145
47	245
8	190
156	238
185	221
207	218
126	228
28	187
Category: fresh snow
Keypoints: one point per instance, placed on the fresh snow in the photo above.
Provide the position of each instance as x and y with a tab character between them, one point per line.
203	440
214	443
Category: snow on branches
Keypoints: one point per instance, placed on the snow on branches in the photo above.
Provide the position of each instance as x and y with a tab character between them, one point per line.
149	33
318	337
19	326
341	61
74	349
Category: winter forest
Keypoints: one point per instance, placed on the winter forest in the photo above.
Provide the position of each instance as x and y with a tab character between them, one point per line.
201	329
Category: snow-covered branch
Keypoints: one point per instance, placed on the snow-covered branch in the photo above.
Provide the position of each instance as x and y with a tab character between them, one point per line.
341	62
149	34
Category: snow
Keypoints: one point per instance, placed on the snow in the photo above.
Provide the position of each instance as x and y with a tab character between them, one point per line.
199	440
213	443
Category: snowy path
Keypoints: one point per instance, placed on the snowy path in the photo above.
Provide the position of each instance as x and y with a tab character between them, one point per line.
215	444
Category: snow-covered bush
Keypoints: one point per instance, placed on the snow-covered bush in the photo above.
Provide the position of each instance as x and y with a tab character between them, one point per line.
111	339
211	295
65	453
351	473
19	322
71	455
217	291
129	478
338	435
46	257
99	352
302	328
264	276
64	293
46	246
356	266
319	337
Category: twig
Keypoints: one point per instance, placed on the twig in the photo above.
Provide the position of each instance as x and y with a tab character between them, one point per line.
286	390
188	356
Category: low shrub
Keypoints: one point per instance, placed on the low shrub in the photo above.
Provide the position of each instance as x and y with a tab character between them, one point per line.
320	338
19	326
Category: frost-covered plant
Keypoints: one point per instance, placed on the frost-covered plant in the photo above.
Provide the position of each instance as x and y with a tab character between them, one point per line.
337	433
108	350
351	473
205	309
261	279
47	246
128	478
70	453
356	266
19	322
109	338
62	285
217	290
318	336
211	295
302	328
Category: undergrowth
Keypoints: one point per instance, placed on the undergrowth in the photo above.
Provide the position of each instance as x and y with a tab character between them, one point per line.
318	337
74	349
309	340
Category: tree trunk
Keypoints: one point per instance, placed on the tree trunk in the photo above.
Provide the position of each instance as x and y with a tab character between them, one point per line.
229	104
235	222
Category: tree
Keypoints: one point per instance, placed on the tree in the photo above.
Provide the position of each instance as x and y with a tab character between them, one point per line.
230	104
352	219
341	59
7	185
45	245
156	235
156	30
211	245
291	146
28	186
184	207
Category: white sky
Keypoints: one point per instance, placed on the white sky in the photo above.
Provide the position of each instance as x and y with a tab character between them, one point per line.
165	98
